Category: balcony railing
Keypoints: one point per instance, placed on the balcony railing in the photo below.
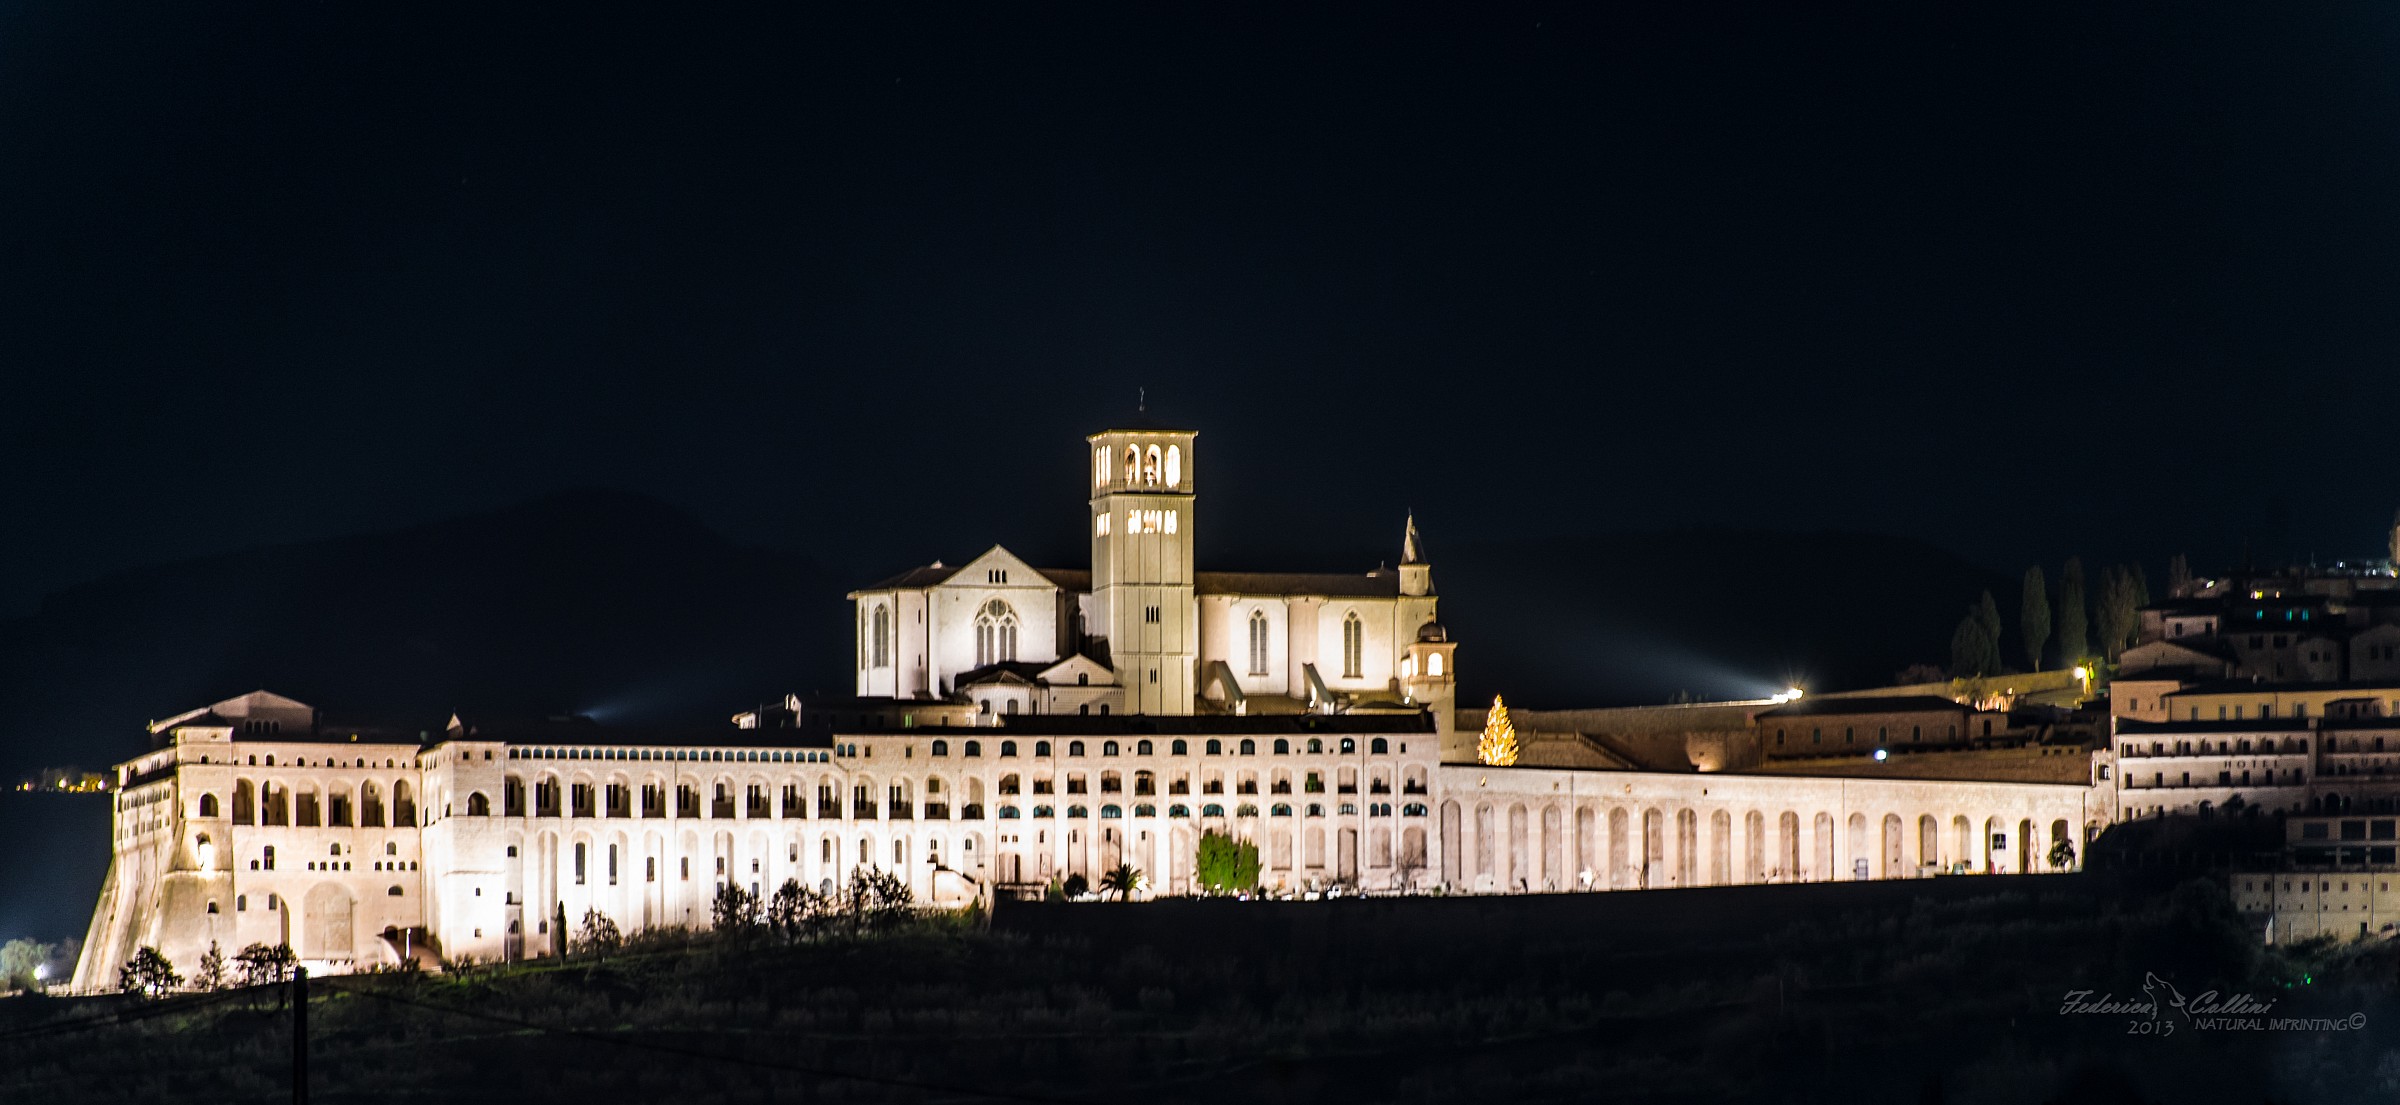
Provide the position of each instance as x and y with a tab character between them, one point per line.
904	811
972	811
865	812
937	811
722	808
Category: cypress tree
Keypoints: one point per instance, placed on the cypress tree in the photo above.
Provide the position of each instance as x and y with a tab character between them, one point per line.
2074	640
2033	616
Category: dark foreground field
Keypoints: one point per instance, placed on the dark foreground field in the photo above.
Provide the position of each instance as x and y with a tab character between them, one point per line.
1942	990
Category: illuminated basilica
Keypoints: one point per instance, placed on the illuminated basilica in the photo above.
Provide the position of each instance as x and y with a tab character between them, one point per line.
1010	725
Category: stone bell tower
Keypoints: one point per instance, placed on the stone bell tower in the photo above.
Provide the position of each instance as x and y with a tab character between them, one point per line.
1142	565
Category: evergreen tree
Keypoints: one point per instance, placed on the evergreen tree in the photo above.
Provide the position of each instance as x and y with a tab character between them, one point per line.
2033	616
2120	616
148	974
211	975
1498	746
1226	865
1971	649
2179	576
1987	614
2074	643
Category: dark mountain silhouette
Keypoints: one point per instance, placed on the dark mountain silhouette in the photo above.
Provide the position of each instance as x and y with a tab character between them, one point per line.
624	607
586	601
1625	618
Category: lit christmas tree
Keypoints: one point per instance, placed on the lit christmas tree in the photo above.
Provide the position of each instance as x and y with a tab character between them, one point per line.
1498	748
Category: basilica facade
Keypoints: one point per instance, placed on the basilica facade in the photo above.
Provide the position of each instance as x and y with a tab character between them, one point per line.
1010	725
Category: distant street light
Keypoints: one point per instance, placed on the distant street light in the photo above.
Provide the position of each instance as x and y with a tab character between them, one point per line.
1881	755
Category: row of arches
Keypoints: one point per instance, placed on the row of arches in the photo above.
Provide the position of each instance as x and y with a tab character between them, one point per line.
1152	467
1519	846
305	804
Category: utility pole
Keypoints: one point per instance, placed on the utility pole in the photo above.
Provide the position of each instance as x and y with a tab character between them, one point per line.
300	1036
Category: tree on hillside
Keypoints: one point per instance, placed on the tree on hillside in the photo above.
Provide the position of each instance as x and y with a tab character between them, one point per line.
1967	646
148	974
2179	576
798	911
260	964
2033	617
2120	616
2074	638
1122	881
877	899
1988	613
1226	865
1919	673
599	935
211	975
19	961
734	910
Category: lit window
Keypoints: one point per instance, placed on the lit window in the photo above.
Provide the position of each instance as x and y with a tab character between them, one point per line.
1433	665
1258	642
1174	468
1354	635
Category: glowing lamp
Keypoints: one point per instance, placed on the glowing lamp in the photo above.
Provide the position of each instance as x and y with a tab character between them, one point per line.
2082	672
1881	755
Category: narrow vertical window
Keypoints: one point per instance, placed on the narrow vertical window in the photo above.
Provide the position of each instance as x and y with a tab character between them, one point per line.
1258	642
1174	466
1354	636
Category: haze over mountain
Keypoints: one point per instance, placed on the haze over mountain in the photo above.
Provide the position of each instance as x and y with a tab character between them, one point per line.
623	607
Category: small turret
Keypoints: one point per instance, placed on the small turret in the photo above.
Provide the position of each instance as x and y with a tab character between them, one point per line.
1416	576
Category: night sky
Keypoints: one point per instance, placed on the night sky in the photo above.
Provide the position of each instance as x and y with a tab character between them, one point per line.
855	279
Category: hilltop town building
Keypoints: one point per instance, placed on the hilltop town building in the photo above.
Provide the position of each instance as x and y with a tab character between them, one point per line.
1009	725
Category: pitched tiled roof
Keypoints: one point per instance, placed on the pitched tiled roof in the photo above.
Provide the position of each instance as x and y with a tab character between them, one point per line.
1365	584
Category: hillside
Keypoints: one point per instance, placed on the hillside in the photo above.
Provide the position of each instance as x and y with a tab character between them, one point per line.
1918	990
1616	619
595	602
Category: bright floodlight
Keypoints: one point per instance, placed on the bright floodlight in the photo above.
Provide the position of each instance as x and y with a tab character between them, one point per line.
1880	754
1793	694
2082	672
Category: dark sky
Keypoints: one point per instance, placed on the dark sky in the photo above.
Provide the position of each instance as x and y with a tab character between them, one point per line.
2023	281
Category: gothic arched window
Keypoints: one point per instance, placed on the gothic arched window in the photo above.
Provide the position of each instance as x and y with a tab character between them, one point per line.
995	633
1354	639
881	649
1150	468
1258	642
